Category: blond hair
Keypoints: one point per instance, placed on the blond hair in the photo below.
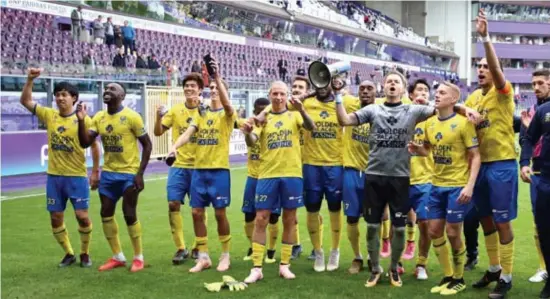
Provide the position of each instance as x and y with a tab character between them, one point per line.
453	87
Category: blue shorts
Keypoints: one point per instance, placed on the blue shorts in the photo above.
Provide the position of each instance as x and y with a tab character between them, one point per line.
443	204
114	184
496	190
178	184
323	180
535	180
250	195
59	189
276	193
353	192
420	195
211	186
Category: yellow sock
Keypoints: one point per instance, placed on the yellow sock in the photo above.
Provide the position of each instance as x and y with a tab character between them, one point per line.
286	252
176	224
195	244
258	251
459	258
273	233
226	243
507	257
491	245
385	231
85	237
297	234
110	229
336	228
249	230
202	244
313	227
62	237
542	265
134	231
422	260
321	229
442	252
353	237
411	230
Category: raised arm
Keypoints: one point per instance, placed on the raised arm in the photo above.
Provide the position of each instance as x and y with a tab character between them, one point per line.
344	118
85	136
184	138
26	96
482	27
224	95
299	106
247	127
159	128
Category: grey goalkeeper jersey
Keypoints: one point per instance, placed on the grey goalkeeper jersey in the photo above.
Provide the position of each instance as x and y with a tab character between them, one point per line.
391	129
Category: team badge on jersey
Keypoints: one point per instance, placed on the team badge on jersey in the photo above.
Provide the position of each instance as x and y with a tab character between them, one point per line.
324	114
438	136
109	128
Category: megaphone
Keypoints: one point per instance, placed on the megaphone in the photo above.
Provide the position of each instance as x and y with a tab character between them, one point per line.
320	74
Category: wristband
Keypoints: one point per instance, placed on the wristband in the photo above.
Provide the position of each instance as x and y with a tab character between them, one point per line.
485	39
339	99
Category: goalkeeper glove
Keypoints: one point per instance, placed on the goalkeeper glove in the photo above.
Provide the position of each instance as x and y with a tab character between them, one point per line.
234	285
214	287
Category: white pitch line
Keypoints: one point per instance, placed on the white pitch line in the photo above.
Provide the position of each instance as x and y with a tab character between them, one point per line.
4	198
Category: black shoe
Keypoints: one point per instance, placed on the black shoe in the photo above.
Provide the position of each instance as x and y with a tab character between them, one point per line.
67	260
296	251
545	293
471	264
487	278
270	254
180	256
501	289
85	260
195	253
311	257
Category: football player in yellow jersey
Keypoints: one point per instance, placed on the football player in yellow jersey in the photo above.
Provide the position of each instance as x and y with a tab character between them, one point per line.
323	172
495	194
178	185
120	129
67	175
280	175
453	144
211	178
356	156
421	185
248	207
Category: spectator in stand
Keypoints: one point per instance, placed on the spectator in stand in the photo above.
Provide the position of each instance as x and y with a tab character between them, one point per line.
141	62
118	37
282	64
129	35
120	60
77	22
89	61
196	67
357	79
153	63
99	30
109	32
174	73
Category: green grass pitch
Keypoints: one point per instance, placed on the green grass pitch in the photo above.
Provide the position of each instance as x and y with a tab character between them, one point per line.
30	256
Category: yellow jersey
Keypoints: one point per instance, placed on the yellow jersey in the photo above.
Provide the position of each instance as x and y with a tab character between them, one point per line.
179	118
323	146
119	133
421	167
253	152
495	132
356	141
450	140
279	141
65	155
214	130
